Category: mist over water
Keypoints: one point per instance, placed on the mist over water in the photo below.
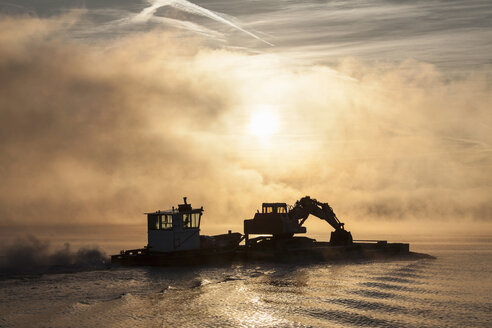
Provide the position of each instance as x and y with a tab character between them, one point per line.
101	132
30	255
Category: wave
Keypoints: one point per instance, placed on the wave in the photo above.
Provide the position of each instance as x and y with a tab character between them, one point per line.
30	255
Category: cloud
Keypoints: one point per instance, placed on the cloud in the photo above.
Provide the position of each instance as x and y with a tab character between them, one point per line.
101	132
440	32
189	7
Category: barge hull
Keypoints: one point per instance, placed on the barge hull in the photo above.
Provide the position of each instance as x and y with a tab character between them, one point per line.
324	252
142	257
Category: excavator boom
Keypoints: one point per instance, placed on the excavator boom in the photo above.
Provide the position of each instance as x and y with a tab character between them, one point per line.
307	205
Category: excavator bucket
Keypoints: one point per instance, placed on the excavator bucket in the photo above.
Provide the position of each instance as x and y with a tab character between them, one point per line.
341	238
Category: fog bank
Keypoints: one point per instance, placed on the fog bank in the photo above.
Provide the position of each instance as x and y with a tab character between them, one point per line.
101	132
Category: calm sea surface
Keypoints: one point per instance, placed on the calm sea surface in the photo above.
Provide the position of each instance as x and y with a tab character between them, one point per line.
452	291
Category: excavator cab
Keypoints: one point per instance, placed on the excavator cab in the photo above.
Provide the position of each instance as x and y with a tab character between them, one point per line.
274	208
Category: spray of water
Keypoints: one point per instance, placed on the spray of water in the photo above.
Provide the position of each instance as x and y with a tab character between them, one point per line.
29	255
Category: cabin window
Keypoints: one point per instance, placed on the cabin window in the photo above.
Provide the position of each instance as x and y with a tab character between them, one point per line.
268	209
153	222
196	219
191	220
281	209
167	222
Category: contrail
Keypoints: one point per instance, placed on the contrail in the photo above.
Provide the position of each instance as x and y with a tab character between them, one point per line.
187	6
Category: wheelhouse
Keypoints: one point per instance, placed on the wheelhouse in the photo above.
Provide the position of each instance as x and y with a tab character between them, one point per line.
174	230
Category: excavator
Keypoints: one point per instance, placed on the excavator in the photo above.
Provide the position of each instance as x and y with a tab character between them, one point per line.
283	221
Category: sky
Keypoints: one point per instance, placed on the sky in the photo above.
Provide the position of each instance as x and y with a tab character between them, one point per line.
109	109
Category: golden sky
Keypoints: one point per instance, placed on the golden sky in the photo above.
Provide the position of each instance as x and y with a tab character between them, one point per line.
98	130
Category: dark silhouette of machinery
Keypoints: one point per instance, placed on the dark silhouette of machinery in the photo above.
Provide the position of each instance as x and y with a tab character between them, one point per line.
283	221
174	239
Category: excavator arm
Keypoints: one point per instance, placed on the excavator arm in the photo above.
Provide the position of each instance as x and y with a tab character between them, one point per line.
307	206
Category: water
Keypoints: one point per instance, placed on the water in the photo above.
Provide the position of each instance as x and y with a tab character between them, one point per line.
452	291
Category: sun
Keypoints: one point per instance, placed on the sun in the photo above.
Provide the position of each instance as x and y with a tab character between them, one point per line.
263	122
